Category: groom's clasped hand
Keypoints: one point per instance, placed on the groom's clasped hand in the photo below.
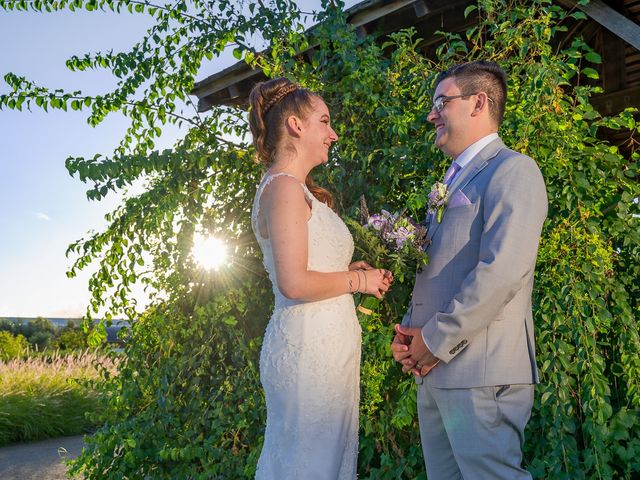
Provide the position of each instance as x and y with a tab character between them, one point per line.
409	349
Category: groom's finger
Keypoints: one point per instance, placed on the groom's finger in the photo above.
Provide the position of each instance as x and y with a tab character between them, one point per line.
401	335
399	351
412	370
409	332
408	362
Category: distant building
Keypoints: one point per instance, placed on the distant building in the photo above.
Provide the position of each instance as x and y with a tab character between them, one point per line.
112	331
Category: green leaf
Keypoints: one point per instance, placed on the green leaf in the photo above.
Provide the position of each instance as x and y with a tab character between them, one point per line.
469	9
593	57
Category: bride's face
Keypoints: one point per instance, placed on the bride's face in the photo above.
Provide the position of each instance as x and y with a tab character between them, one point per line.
317	135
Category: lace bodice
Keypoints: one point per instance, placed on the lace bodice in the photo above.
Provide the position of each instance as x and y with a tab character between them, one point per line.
330	243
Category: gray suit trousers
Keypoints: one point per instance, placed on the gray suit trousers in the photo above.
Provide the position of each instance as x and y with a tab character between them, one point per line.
474	433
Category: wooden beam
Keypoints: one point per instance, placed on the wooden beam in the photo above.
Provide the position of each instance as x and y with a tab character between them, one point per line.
236	73
420	8
606	16
372	14
613	62
615	102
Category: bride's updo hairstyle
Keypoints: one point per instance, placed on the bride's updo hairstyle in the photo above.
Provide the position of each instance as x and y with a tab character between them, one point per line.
271	103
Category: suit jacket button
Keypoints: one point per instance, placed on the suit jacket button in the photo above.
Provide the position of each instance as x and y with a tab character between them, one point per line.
463	342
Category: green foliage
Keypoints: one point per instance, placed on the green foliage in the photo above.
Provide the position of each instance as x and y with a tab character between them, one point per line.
45	397
176	409
38	332
70	338
42	335
12	346
187	400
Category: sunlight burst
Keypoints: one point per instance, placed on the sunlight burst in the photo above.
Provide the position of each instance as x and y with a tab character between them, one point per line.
209	252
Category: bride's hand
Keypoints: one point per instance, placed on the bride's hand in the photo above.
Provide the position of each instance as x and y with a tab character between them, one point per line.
377	281
360	265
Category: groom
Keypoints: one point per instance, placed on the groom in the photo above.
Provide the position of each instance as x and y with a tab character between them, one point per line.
470	326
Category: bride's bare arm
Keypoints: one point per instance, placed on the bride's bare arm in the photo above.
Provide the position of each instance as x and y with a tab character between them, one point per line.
286	213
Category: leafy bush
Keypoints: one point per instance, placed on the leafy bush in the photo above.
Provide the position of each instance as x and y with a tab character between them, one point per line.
41	334
12	346
70	338
38	332
187	402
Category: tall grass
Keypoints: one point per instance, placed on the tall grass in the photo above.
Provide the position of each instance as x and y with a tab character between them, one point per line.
49	396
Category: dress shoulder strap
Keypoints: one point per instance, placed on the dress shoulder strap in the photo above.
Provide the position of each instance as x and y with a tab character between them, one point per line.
269	178
256	204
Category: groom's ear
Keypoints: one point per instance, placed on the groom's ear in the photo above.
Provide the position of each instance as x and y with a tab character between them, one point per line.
482	101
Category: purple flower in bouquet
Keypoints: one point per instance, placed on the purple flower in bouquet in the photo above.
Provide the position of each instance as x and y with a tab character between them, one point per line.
395	229
377	222
402	235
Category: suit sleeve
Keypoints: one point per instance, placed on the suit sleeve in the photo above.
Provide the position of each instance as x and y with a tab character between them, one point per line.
406	319
514	209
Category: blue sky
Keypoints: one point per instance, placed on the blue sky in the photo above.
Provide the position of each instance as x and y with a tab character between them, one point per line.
42	208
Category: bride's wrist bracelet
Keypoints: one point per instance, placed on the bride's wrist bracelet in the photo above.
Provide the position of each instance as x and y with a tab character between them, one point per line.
351	289
350	282
359	271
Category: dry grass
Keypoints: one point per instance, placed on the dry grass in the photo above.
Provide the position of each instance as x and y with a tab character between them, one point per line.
44	397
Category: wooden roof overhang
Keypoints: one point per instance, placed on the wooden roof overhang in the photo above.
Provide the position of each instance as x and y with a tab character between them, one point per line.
232	85
612	30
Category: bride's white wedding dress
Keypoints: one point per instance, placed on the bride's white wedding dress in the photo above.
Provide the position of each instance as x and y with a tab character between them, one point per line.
310	363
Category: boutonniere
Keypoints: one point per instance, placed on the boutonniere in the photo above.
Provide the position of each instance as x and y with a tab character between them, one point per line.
438	197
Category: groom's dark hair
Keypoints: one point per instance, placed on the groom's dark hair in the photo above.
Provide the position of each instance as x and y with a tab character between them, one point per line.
481	76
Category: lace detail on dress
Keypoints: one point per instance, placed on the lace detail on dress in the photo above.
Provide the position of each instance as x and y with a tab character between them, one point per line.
310	364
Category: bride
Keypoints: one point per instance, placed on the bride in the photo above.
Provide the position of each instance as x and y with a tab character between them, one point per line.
310	358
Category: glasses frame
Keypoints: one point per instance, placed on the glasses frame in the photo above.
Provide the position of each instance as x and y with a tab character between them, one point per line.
440	102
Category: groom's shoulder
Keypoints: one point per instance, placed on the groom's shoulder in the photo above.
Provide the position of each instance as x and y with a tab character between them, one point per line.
514	168
508	159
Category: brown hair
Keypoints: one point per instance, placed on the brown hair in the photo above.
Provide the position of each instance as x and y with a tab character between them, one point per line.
271	102
481	76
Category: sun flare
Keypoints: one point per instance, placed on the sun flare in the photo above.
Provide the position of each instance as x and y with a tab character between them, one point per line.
209	252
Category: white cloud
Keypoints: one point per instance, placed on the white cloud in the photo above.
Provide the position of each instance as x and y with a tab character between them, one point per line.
43	216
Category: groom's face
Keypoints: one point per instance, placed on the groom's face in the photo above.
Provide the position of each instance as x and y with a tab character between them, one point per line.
452	125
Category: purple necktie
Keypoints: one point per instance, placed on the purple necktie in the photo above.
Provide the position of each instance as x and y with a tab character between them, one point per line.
450	174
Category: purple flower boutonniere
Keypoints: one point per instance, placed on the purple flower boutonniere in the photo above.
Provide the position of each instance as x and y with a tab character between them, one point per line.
438	198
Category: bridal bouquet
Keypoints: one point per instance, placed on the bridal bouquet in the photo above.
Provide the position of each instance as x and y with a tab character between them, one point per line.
389	240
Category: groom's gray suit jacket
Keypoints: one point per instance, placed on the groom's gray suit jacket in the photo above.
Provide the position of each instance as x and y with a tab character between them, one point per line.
473	299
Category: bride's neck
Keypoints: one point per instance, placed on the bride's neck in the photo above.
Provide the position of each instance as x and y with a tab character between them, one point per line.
291	165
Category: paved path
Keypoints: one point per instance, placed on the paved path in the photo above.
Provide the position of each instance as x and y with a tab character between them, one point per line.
41	460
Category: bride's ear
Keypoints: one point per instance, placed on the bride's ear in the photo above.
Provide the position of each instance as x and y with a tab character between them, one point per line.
294	125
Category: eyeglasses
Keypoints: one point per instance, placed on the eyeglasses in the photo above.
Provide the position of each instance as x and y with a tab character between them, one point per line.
441	101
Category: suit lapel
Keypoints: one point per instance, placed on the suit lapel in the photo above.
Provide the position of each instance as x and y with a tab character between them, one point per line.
477	164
